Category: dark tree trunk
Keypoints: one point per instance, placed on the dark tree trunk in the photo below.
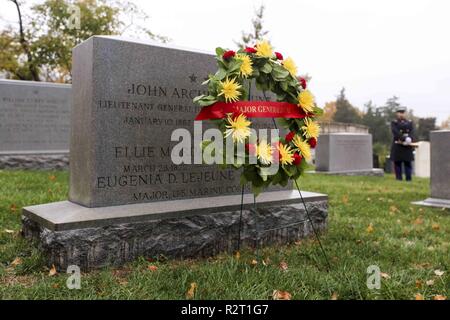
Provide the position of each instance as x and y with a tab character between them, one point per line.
33	70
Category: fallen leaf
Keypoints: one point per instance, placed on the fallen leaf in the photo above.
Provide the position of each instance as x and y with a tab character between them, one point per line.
384	275
17	261
237	255
393	209
254	262
334	296
435	226
345	199
370	228
283	266
281	295
152	268
439	273
419	284
191	292
418	221
419	297
55	285
439	297
266	261
52	271
430	282
13	207
52	177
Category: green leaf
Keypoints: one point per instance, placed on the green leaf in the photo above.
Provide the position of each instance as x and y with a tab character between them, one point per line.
267	68
220	51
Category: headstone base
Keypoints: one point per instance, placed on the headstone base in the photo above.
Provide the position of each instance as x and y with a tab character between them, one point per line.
40	161
374	172
433	202
70	234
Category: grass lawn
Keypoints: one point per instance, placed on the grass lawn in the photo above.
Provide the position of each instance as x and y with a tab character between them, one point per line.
371	222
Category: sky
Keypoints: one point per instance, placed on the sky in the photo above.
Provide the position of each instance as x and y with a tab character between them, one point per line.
373	48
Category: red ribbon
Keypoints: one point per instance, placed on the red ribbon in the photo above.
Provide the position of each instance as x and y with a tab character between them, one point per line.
252	109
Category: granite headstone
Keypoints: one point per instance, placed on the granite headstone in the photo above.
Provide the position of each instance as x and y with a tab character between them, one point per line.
34	124
346	154
422	160
440	170
127	198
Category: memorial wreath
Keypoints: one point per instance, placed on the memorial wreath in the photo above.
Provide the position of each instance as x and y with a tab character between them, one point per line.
228	103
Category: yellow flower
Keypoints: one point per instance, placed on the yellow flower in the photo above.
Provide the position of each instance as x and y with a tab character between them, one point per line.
238	128
306	101
264	49
230	90
286	154
246	66
264	152
303	147
290	66
311	129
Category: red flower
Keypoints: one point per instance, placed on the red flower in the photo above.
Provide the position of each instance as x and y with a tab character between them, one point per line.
290	136
313	142
279	56
228	54
250	148
302	82
250	50
297	159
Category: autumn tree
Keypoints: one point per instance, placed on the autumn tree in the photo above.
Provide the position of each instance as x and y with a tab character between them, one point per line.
329	111
257	33
41	48
345	112
445	124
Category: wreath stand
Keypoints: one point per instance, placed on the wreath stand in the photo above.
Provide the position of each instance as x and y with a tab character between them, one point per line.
261	232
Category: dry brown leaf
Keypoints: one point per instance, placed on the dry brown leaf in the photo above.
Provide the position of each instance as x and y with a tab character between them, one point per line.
385	275
439	273
283	266
237	255
191	292
345	199
435	226
152	268
281	295
439	297
418	221
370	228
13	207
419	284
52	177
334	296
419	297
55	285
393	209
52	271
254	262
17	261
430	282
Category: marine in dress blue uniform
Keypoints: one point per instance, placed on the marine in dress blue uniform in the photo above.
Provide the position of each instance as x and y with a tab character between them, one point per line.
401	153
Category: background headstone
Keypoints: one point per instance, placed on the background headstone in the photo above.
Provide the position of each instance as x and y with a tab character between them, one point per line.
422	160
440	170
440	164
34	124
345	153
